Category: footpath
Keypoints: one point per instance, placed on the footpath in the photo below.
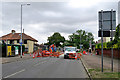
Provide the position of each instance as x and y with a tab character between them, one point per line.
13	59
92	63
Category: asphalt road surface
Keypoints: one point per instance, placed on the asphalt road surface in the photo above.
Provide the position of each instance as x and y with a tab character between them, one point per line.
45	67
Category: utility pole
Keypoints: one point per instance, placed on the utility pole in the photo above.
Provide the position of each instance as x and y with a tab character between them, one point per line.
102	38
21	28
80	40
21	32
6	45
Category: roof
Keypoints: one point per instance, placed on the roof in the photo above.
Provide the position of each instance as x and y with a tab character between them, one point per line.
17	36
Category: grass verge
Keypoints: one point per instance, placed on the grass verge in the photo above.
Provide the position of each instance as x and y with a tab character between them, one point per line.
106	74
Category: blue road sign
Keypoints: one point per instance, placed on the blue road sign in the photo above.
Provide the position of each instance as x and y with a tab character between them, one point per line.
21	43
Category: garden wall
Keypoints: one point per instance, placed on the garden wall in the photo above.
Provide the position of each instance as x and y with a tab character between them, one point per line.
107	52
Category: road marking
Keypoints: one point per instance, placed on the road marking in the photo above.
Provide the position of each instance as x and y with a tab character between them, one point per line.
40	63
14	73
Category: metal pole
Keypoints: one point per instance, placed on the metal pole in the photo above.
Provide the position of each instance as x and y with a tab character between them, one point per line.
102	38
111	40
6	46
21	27
21	31
80	40
91	45
80	43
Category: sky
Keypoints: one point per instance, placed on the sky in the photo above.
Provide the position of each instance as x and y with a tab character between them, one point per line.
42	18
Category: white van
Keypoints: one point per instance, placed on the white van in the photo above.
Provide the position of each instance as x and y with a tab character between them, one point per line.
70	52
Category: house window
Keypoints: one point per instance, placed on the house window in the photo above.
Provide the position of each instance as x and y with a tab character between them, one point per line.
25	41
11	41
17	41
26	49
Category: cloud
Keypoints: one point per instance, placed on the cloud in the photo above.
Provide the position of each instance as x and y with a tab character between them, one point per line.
42	19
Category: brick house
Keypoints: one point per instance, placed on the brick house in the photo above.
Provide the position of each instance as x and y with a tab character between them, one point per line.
14	38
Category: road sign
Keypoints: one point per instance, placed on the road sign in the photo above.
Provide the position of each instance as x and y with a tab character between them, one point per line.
105	33
20	43
81	46
105	20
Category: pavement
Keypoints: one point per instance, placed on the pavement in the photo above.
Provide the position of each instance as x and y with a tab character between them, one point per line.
94	62
44	67
4	60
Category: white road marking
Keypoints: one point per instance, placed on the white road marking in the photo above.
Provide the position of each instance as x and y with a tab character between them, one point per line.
14	73
40	63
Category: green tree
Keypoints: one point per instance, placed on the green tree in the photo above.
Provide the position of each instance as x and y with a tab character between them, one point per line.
56	38
117	34
81	37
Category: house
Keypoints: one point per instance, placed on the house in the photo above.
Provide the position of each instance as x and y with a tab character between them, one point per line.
14	38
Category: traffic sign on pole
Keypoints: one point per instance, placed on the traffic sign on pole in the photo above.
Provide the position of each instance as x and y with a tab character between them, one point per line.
107	22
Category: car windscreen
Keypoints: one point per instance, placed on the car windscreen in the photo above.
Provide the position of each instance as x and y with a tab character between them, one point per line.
70	49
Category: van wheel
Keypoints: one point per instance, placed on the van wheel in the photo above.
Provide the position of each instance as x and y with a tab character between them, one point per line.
64	57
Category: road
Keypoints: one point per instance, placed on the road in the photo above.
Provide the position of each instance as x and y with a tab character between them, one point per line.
45	67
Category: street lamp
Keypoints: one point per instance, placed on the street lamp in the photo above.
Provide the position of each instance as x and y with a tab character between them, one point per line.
21	27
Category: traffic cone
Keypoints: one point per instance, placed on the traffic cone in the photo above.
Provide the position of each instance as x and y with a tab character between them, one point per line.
96	53
80	54
91	53
33	55
23	53
75	57
30	54
38	55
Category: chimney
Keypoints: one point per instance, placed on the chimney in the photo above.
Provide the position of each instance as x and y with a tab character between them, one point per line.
13	31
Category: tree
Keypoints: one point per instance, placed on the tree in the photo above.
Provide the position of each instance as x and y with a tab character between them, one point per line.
117	34
56	38
81	37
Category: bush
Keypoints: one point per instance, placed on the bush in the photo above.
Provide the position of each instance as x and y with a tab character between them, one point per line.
108	45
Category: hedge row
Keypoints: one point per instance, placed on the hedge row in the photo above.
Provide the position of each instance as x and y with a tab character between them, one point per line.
108	45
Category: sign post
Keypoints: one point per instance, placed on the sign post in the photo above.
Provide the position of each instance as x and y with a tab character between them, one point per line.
111	40
21	46
107	23
102	37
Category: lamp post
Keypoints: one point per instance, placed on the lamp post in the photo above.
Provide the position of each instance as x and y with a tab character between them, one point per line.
21	28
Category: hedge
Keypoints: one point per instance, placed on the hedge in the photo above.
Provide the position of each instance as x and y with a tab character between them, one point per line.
108	45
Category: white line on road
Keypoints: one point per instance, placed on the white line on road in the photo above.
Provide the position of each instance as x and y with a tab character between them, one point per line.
14	73
40	63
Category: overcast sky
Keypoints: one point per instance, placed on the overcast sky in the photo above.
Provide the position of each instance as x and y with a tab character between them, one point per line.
42	19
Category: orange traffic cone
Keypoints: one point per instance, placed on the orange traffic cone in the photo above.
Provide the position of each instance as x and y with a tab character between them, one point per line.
91	53
33	55
96	53
76	57
80	54
30	54
23	53
38	55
